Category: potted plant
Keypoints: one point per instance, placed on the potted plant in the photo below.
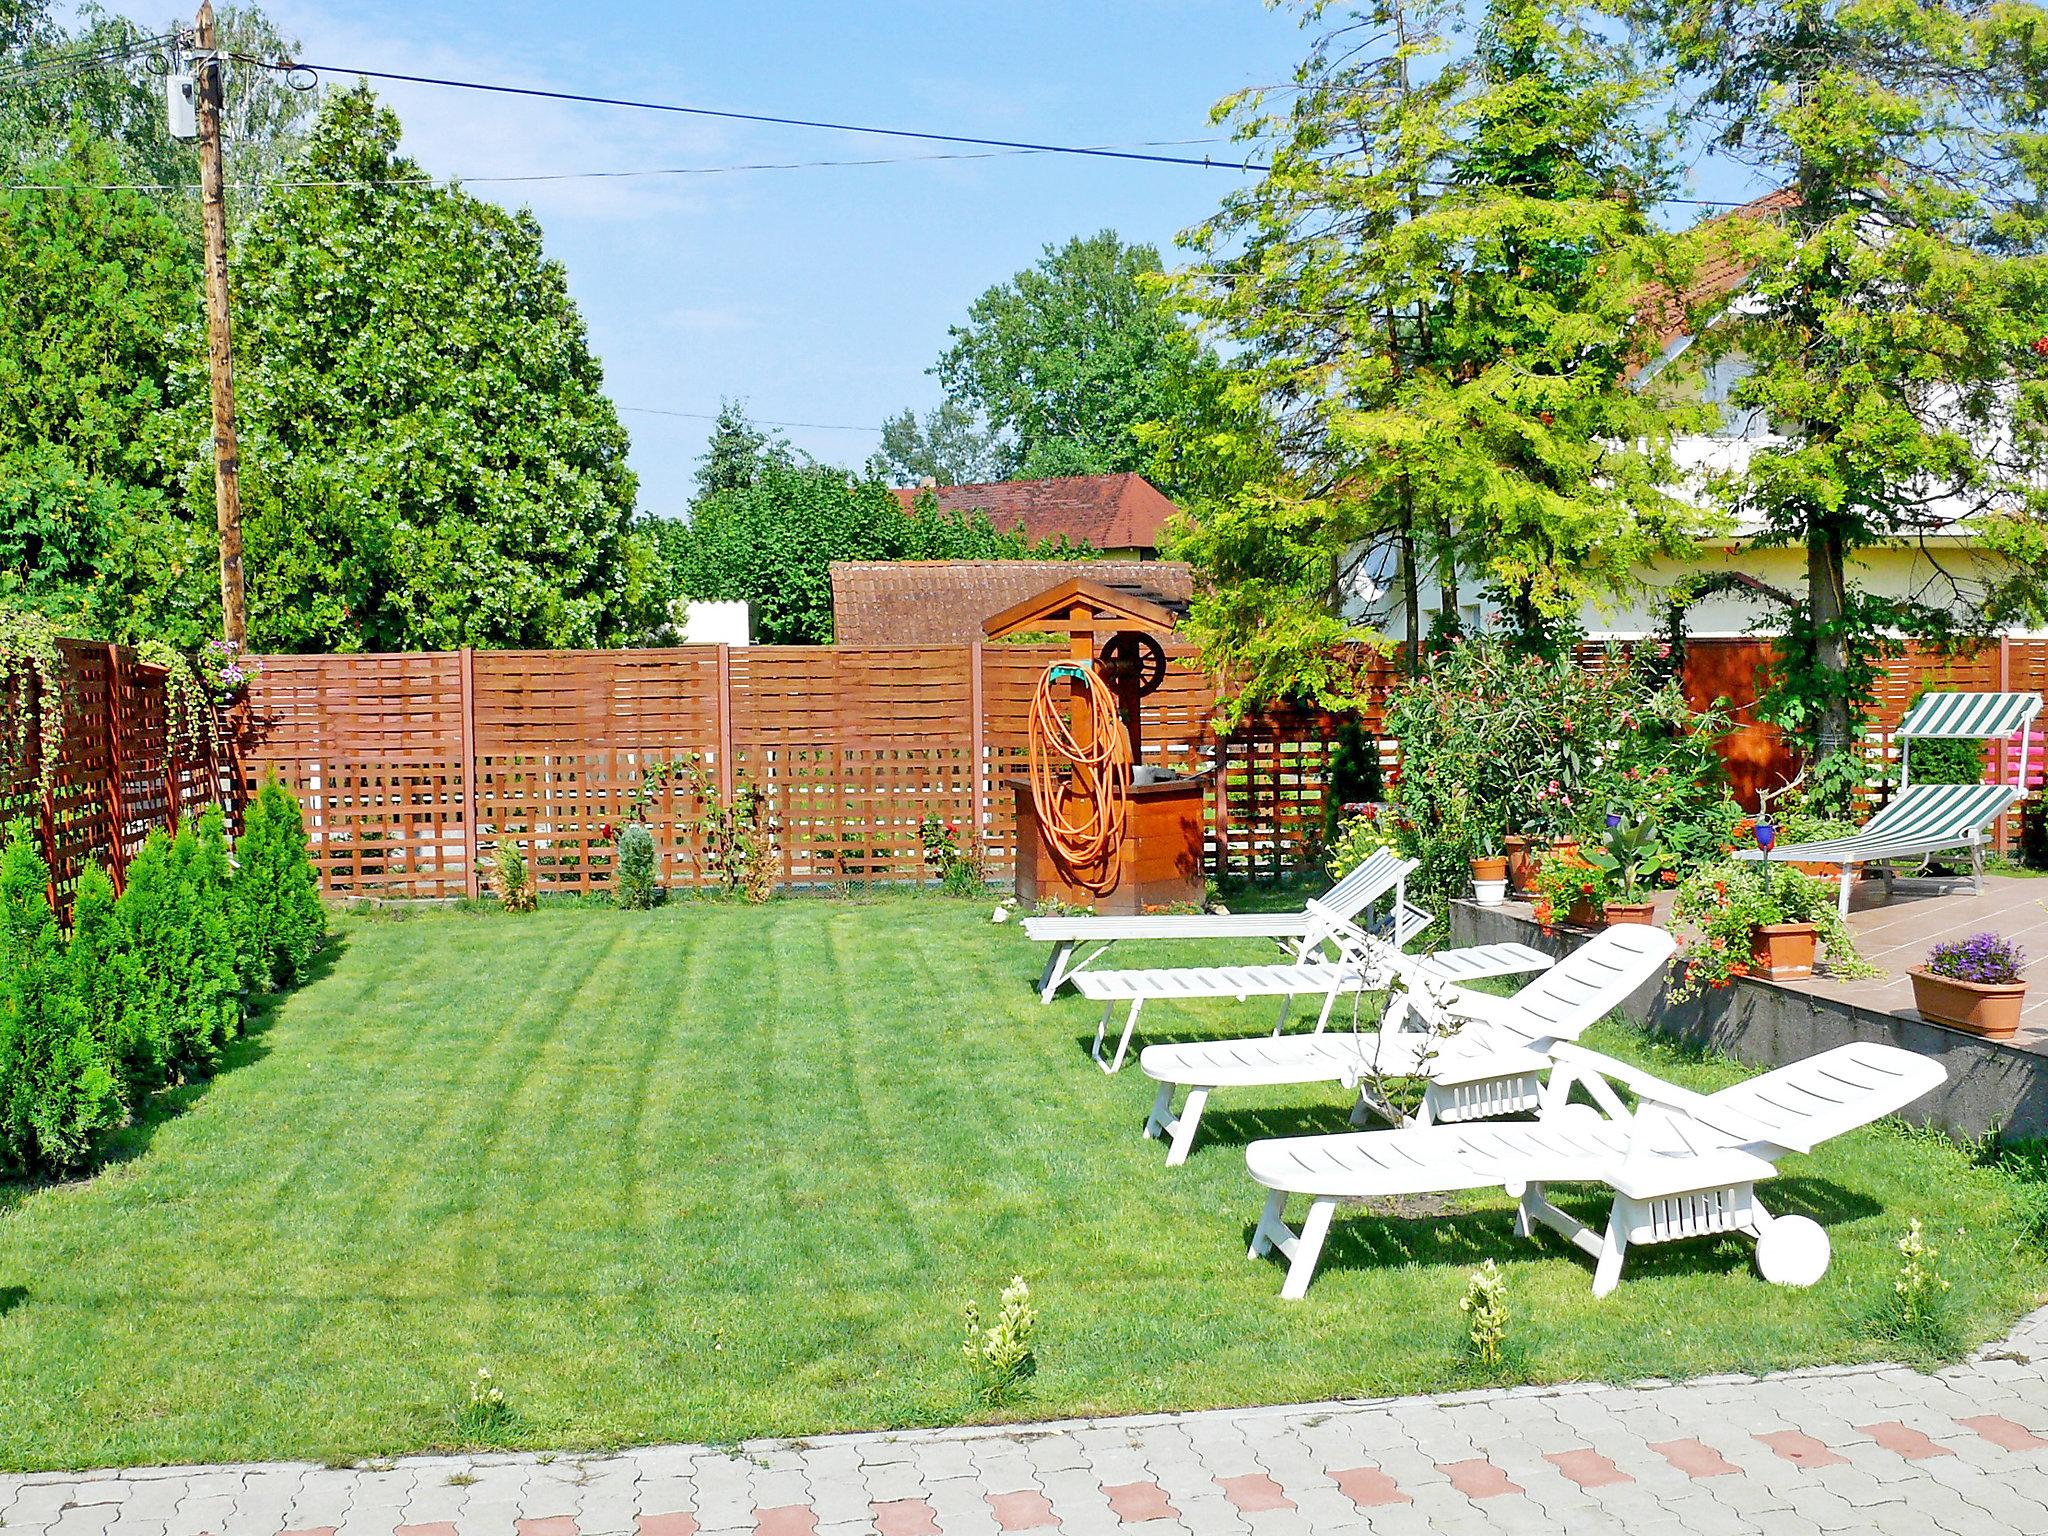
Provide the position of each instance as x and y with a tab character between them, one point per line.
1549	828
1972	984
1761	920
1489	870
1632	858
1570	888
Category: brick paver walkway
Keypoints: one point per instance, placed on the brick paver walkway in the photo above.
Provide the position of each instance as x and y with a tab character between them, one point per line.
1876	1449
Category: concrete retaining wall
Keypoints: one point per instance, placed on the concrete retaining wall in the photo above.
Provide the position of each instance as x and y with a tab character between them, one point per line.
1991	1086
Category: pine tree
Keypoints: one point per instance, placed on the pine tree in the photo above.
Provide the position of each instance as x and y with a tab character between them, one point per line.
58	1095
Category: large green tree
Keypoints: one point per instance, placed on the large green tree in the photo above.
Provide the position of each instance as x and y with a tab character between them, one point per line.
1432	304
428	456
1055	372
1894	327
771	542
93	73
100	406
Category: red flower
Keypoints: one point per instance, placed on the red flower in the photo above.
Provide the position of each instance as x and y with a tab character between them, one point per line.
2040	345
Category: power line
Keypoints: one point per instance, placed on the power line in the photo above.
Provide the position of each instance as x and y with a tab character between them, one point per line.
288	66
759	421
536	176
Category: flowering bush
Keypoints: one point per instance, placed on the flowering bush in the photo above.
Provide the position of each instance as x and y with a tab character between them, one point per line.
224	669
1983	959
1493	742
1364	830
959	870
1565	881
1726	901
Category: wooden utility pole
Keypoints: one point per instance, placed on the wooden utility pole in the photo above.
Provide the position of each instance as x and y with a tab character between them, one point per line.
220	364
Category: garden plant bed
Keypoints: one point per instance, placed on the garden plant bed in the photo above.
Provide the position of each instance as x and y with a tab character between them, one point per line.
719	1170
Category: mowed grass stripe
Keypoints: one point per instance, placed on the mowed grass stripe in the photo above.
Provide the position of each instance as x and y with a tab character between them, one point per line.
717	1170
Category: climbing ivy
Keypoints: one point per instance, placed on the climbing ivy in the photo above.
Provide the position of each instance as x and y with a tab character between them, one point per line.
31	666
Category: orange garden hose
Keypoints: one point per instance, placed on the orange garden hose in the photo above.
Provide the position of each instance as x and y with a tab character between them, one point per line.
1082	811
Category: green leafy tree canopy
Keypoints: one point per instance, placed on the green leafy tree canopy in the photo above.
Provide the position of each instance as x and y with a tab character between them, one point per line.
429	459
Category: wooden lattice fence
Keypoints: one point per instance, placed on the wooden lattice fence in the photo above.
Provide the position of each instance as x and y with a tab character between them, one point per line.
118	775
411	767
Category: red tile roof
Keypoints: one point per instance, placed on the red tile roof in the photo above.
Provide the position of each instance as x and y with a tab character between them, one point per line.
943	602
1721	269
1107	511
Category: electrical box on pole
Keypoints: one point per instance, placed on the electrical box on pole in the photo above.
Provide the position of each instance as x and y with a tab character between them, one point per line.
181	103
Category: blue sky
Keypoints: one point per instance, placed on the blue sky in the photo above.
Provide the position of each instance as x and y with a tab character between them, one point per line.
820	295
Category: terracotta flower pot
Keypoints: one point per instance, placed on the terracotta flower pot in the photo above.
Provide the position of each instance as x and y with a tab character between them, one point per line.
1990	1011
1490	881
1783	951
1644	912
1521	862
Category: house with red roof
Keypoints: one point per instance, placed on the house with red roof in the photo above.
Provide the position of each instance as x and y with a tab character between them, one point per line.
1118	516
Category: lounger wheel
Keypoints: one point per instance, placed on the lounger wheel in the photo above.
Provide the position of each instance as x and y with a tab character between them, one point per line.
1793	1250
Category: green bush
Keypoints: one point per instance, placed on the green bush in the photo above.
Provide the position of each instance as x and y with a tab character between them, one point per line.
152	983
58	1094
634	887
274	907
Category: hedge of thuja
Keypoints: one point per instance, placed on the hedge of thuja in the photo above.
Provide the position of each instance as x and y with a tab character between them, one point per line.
150	985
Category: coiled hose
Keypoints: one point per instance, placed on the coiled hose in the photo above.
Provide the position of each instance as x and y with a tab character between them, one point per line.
1082	811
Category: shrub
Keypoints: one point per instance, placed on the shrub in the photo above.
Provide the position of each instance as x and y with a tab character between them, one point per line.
1357	838
633	887
1984	959
959	869
509	874
1486	734
275	909
58	1093
105	978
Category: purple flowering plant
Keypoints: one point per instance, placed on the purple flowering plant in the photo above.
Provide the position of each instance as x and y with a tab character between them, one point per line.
225	670
1983	958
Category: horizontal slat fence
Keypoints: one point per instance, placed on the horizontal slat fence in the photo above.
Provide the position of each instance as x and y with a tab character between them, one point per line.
412	767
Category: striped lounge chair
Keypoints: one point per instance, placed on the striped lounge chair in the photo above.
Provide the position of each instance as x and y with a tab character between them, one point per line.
1925	819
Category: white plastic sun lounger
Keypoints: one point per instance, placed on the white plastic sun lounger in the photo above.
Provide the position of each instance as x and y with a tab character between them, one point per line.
1361	967
1926	819
1380	872
1681	1164
1497	1055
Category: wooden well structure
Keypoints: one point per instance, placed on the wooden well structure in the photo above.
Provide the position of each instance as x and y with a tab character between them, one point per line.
1118	637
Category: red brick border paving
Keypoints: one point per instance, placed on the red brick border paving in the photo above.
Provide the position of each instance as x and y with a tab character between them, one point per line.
1253	1492
1478	1478
1695	1458
1369	1487
1905	1440
1801	1449
1028	1510
2002	1432
1134	1502
1587	1467
786	1520
678	1522
904	1517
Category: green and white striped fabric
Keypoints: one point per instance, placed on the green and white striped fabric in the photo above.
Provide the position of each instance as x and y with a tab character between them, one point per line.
1922	818
1969	716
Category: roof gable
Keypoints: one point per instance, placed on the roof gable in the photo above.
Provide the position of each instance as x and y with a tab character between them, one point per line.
944	602
1123	511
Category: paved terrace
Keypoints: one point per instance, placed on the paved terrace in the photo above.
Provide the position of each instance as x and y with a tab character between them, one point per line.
1897	934
1860	1449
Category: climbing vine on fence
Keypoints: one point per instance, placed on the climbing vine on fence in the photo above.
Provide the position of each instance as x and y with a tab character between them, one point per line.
31	666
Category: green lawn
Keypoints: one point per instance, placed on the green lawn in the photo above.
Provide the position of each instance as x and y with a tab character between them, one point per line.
716	1171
